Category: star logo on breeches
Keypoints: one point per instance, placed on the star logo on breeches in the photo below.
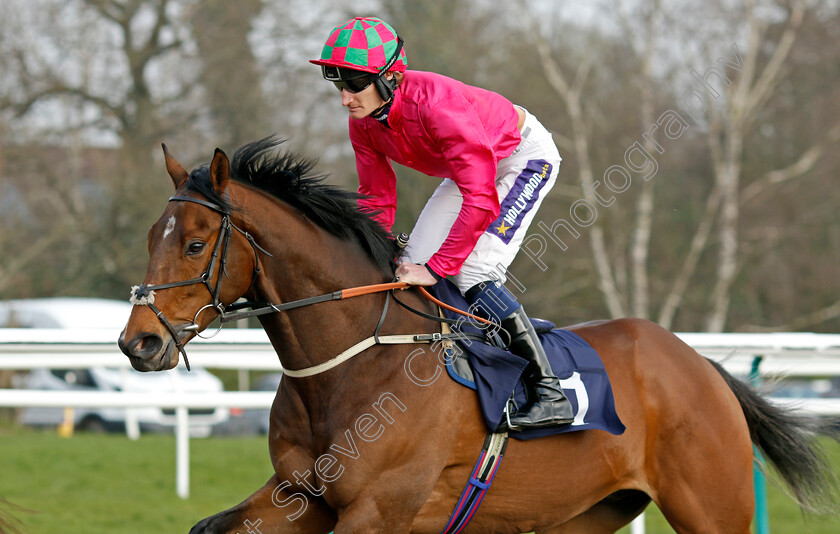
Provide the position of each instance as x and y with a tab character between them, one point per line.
502	229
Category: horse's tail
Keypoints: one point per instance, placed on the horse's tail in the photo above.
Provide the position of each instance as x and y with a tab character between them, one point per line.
788	441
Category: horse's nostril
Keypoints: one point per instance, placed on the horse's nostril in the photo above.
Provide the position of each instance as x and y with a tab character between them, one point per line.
145	345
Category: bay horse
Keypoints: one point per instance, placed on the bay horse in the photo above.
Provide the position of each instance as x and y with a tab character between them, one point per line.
362	448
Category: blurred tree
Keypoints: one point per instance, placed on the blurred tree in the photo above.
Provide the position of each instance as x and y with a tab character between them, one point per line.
87	70
790	260
737	229
582	70
728	127
624	272
451	38
230	75
300	105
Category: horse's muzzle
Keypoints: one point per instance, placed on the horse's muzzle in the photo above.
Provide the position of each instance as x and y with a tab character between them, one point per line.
146	351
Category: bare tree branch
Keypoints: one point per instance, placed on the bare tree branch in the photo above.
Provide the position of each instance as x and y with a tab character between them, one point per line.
643	225
26	258
743	104
113	11
800	323
698	244
572	97
60	89
807	160
763	88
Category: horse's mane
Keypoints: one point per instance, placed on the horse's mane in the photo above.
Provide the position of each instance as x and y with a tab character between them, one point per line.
289	177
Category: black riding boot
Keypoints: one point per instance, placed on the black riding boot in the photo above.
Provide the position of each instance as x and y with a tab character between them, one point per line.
549	406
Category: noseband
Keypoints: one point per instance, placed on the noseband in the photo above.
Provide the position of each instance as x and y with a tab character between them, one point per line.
144	294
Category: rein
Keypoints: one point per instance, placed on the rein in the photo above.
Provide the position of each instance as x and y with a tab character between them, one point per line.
144	295
342	294
446	306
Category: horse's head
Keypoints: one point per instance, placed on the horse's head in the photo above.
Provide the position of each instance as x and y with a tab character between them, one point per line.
199	262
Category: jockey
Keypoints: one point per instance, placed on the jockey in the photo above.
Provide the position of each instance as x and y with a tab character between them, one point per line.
497	163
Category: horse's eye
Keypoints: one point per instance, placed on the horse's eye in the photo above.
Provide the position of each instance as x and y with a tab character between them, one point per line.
195	248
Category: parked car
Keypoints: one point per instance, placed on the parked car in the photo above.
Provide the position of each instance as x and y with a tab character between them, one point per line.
87	313
114	419
65	312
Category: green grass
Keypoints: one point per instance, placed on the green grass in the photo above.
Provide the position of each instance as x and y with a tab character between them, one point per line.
108	484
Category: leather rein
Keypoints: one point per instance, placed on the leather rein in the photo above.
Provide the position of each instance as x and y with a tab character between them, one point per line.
144	294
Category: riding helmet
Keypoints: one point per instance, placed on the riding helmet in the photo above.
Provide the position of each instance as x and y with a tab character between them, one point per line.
366	44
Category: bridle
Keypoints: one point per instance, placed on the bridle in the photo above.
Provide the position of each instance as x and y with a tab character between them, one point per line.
144	294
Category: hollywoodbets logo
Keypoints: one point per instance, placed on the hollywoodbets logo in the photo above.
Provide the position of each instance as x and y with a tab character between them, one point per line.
520	199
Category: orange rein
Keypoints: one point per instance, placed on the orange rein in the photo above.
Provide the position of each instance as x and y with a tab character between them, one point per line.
367	290
377	288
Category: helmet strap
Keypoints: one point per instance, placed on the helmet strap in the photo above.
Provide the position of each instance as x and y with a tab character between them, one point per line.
385	86
394	57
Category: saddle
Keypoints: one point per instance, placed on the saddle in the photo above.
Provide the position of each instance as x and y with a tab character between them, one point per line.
495	373
458	362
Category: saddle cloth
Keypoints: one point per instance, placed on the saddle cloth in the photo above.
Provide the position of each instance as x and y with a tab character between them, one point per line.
494	373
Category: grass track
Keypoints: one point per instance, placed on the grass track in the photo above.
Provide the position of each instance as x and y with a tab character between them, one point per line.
96	484
108	484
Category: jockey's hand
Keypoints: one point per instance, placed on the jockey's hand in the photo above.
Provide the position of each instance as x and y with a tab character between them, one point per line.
416	275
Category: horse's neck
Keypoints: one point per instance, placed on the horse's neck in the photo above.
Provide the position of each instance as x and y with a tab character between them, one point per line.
307	261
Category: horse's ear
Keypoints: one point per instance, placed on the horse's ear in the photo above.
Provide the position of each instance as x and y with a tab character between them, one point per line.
220	171
178	174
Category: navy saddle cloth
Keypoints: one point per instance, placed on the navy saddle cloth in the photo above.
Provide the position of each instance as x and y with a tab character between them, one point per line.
496	373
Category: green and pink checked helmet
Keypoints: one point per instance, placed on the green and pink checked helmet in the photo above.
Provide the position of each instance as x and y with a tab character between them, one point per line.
365	44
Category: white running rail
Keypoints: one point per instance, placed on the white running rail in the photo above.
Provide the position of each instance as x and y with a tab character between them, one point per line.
788	354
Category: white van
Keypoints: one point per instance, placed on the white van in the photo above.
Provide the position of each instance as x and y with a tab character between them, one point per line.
87	313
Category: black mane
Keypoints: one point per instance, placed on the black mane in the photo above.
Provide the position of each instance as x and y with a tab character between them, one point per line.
290	178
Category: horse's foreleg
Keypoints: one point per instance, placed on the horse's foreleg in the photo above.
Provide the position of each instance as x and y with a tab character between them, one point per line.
272	508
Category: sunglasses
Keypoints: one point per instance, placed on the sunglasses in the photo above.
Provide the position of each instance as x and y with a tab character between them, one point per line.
354	85
348	80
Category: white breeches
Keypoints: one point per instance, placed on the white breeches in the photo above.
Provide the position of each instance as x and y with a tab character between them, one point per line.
522	180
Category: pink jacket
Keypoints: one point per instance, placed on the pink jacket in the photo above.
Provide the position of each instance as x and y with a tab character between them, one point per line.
444	128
